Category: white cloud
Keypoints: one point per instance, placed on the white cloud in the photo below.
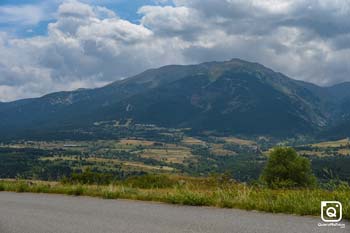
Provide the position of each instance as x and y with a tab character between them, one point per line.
22	14
75	9
171	21
88	46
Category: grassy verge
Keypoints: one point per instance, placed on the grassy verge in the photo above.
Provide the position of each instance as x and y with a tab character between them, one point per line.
198	192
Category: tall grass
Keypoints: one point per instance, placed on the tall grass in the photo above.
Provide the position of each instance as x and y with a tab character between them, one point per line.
199	192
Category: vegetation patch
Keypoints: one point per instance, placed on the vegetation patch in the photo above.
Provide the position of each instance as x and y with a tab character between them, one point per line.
198	192
150	181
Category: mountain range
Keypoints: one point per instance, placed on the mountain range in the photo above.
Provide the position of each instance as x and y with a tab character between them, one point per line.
231	97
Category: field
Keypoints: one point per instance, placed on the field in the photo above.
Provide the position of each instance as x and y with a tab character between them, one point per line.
327	148
196	191
123	149
131	149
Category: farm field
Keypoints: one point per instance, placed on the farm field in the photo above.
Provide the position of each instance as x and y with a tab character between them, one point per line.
144	149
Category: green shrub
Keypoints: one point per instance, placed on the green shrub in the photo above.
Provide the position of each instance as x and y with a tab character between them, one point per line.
335	184
41	189
76	191
22	187
285	168
110	195
88	177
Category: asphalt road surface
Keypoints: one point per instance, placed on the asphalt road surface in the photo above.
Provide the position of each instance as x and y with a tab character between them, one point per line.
40	213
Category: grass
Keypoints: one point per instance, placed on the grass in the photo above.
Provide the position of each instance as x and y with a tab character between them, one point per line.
193	141
106	163
239	141
197	192
338	143
135	142
218	149
173	155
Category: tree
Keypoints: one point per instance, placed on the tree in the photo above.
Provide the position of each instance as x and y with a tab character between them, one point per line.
285	168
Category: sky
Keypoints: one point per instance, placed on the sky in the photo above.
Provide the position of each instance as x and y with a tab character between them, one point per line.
55	45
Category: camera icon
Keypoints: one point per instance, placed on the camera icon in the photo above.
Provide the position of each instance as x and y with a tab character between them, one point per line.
331	211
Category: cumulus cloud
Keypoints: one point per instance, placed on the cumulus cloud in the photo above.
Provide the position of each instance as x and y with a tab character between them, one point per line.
23	15
307	40
86	47
89	45
172	21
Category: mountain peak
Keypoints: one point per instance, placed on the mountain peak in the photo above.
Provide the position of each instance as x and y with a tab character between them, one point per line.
232	97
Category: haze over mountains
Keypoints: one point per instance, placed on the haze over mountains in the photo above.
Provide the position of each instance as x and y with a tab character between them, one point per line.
233	97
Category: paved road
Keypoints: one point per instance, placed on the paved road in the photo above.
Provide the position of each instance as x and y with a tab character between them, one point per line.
39	213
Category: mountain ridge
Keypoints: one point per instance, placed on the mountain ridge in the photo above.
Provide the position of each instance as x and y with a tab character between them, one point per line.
332	86
234	96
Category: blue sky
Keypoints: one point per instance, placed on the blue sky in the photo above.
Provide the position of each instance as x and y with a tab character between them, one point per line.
124	8
56	45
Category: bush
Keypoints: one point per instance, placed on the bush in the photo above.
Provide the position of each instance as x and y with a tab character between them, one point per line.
285	169
76	191
22	187
88	177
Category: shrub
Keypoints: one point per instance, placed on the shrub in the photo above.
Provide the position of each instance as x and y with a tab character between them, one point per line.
22	187
88	177
76	191
110	194
285	168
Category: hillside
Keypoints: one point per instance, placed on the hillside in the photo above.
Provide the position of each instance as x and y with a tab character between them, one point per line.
232	97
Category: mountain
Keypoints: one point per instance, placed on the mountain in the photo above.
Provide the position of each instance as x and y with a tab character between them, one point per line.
233	97
340	127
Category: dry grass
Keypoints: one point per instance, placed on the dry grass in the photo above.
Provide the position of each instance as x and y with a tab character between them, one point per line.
201	192
177	155
312	153
192	141
345	152
135	142
147	167
239	141
218	149
338	143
